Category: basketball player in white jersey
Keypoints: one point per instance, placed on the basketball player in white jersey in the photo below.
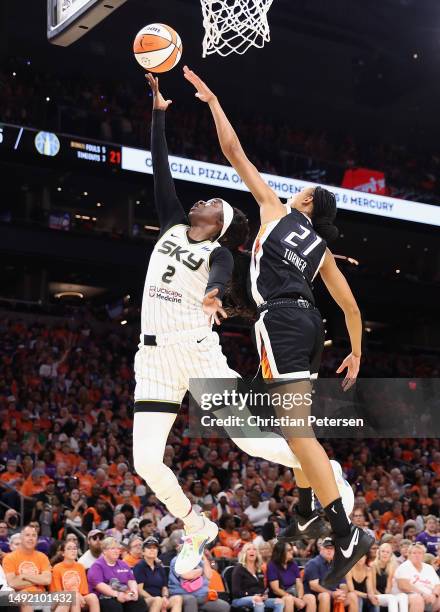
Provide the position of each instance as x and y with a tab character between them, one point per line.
289	251
186	279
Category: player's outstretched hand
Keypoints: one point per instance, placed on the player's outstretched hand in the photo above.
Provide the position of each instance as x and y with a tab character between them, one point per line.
203	92
212	307
159	102
352	363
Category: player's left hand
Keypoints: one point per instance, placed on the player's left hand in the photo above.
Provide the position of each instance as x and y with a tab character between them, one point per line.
352	363
159	102
212	307
203	92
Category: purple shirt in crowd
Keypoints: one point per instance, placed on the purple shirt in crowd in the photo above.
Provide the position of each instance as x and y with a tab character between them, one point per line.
285	575
101	571
429	541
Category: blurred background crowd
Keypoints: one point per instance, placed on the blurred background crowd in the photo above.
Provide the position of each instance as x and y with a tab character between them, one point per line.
115	111
66	465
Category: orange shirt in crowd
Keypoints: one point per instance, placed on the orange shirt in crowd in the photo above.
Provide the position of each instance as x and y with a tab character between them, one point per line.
370	496
69	577
387	516
133	499
7	476
229	539
130	560
86	482
20	562
70	459
216	582
29	488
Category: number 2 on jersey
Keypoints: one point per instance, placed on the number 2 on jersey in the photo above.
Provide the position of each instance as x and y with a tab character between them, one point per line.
168	274
302	236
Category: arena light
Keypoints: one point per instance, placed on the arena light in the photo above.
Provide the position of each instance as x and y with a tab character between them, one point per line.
350	260
98	204
328	342
397	271
59	188
124	322
151	227
66	294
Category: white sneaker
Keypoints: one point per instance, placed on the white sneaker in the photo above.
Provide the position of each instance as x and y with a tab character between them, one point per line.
193	546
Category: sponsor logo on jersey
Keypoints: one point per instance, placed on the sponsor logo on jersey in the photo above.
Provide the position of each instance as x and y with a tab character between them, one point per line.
162	293
182	255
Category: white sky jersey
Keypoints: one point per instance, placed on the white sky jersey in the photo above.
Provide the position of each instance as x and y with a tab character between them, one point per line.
176	283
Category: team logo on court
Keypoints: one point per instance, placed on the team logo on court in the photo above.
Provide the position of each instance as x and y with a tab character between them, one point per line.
152	291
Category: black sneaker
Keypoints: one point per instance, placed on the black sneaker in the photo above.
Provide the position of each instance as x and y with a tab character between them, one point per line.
299	528
348	551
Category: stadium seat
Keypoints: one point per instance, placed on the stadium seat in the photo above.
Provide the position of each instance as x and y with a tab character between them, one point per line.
227	580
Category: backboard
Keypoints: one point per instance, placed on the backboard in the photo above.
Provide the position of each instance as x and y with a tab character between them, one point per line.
68	20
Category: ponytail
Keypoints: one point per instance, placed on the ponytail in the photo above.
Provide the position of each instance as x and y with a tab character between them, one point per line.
324	213
237	300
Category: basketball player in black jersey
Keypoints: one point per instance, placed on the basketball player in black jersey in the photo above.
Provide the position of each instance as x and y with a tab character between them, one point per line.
290	249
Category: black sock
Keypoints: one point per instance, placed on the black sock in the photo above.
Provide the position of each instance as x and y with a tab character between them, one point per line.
304	506
338	519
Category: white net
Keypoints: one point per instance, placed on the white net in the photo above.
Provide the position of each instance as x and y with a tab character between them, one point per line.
232	26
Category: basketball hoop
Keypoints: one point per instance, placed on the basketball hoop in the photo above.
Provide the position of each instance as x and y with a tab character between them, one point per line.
232	26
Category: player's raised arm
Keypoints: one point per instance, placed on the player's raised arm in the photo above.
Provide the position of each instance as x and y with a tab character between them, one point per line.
340	291
168	206
271	207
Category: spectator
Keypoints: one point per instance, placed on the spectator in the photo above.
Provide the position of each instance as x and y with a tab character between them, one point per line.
152	580
193	587
113	581
248	583
94	541
403	550
147	528
170	546
118	531
15	541
12	521
383	570
358	518
76	507
69	575
315	571
228	536
430	536
360	582
259	511
283	578
4	539
134	554
44	543
419	580
395	513
27	569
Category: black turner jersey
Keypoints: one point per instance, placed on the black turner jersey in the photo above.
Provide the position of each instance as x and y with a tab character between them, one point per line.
286	256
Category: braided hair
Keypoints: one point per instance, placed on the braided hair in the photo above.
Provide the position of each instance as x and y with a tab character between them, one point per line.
237	301
324	213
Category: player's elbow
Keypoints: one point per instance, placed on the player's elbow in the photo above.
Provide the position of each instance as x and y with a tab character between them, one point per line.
351	309
231	148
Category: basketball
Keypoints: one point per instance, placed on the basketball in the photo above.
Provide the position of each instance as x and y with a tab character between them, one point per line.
157	47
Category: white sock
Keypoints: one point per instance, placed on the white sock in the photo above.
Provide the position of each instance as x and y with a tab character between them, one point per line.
193	521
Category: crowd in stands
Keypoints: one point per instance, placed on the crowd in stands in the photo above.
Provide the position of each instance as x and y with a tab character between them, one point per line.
120	112
92	525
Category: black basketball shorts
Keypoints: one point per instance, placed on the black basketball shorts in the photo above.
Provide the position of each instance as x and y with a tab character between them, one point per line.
290	341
